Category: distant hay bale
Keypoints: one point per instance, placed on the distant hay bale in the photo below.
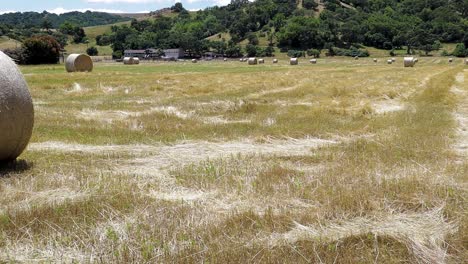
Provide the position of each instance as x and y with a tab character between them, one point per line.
409	61
450	60
252	61
375	60
390	61
356	57
313	61
79	63
466	61
194	61
393	59
225	59
16	111
136	60
128	60
261	61
275	60
294	61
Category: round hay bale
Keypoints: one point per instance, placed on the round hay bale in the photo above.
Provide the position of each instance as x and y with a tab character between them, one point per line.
225	59
79	63
375	60
356	58
136	60
241	60
389	61
293	61
393	59
409	62
466	61
194	61
275	60
313	61
16	110
252	61
261	61
450	60
128	60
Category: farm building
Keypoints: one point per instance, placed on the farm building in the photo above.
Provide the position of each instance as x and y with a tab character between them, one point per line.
173	53
154	54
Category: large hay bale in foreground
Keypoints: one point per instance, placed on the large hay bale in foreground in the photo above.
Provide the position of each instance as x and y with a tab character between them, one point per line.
293	61
128	60
136	60
252	61
79	63
16	110
275	60
313	61
261	61
409	61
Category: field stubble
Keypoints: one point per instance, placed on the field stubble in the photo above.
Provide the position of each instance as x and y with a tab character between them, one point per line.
222	162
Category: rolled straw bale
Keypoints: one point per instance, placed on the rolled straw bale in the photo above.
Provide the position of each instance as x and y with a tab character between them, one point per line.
409	61
79	63
466	61
275	60
389	61
261	61
313	61
252	61
393	59
136	60
375	60
450	60
194	61
128	60
16	110
293	61
356	58
225	59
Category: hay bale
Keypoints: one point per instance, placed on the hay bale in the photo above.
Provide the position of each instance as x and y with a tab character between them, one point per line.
466	61
408	62
375	60
16	110
393	59
225	59
416	60
194	61
275	60
136	60
390	61
261	61
128	60
450	60
356	58
252	61
313	61
79	63
293	61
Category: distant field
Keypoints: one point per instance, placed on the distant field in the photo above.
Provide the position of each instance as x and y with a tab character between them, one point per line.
8	43
220	162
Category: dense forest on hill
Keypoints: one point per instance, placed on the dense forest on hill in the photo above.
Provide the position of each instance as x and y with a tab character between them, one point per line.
34	19
416	25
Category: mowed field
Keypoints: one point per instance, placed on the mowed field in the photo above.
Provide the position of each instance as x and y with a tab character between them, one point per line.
221	162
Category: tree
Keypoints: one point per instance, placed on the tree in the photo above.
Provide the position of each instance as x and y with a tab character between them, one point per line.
177	7
309	4
92	51
46	24
41	50
460	51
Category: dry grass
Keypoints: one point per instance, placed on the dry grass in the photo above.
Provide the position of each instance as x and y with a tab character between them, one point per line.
224	162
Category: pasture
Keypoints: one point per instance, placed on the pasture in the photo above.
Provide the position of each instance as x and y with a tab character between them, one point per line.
220	162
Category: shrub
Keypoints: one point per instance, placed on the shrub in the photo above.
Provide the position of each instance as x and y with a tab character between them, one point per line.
314	53
92	51
41	50
460	50
351	52
295	53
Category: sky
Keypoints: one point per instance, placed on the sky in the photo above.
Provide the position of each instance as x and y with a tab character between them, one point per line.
111	6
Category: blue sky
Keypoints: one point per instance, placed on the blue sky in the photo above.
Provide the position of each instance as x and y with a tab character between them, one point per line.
114	6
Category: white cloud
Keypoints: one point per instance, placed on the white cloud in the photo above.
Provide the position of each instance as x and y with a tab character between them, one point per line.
61	10
6	11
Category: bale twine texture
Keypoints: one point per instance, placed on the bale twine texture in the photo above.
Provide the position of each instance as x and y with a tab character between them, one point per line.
79	63
16	110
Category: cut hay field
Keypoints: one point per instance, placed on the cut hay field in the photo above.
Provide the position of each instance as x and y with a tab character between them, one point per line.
220	162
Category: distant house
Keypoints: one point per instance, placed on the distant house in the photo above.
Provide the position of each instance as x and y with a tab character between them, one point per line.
174	53
154	54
